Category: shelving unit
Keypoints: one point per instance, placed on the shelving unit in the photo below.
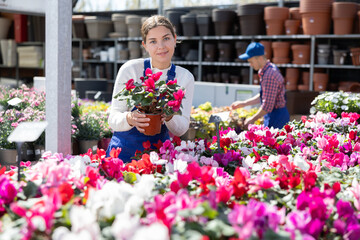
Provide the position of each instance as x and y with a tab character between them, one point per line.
200	63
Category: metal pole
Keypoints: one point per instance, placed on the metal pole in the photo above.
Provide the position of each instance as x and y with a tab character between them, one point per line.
58	76
161	7
281	3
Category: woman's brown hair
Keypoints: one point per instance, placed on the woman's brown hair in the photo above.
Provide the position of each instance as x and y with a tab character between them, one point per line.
155	21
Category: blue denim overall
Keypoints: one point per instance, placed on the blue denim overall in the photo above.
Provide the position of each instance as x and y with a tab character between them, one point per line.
278	117
132	140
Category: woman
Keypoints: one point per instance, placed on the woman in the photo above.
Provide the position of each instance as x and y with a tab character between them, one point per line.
159	40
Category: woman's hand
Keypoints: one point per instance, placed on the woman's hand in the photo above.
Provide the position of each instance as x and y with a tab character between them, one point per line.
138	120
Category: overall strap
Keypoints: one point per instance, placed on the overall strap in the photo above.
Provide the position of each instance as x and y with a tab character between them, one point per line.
170	74
146	65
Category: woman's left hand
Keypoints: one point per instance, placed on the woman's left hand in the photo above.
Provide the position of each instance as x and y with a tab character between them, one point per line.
166	118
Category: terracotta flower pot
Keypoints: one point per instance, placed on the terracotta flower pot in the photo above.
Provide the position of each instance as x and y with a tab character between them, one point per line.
154	124
104	143
355	56
303	87
343	25
344	9
316	23
292	26
292	73
291	86
272	12
274	27
280	60
305	77
281	49
294	13
301	53
268	48
320	81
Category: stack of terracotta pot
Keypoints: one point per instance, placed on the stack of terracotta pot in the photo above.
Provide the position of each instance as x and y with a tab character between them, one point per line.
343	15
316	16
293	25
275	18
210	50
301	53
305	77
355	56
292	78
320	81
280	52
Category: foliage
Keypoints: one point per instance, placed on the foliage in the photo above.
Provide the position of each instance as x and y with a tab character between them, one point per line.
152	95
336	102
202	113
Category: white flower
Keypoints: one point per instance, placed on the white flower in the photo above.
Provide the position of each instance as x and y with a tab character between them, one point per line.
179	165
155	231
301	163
232	135
125	226
154	159
83	226
248	162
110	200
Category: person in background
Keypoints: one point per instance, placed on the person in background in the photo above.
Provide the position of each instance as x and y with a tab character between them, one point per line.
272	89
159	40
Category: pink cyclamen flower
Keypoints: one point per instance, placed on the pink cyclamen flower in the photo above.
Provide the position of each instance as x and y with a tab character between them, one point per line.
130	84
149	85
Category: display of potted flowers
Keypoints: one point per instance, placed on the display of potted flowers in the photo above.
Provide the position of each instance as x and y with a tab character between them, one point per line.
336	102
153	97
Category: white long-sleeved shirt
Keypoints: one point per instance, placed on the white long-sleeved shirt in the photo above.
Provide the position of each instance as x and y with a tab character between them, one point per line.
134	69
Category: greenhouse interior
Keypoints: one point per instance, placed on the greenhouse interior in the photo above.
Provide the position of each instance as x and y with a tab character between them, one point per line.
188	119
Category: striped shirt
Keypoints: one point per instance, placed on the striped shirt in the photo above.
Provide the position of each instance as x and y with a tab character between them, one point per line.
273	87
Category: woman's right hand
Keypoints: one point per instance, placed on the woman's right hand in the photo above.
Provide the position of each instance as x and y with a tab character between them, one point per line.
138	120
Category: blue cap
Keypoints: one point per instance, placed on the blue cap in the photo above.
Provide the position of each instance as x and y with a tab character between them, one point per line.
254	49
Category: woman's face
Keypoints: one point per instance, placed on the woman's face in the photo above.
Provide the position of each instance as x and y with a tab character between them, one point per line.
160	44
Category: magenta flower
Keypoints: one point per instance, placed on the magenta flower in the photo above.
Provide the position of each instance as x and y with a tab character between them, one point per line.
130	84
149	85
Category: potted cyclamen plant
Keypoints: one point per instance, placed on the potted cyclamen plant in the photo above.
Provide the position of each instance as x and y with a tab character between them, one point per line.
153	97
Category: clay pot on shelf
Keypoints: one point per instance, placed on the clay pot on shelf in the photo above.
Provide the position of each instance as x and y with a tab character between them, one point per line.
320	81
305	77
339	56
251	19
240	49
225	52
291	87
210	50
293	74
301	53
343	15
267	48
316	23
355	56
303	87
280	60
292	26
275	18
280	49
203	24
355	88
224	21
188	23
